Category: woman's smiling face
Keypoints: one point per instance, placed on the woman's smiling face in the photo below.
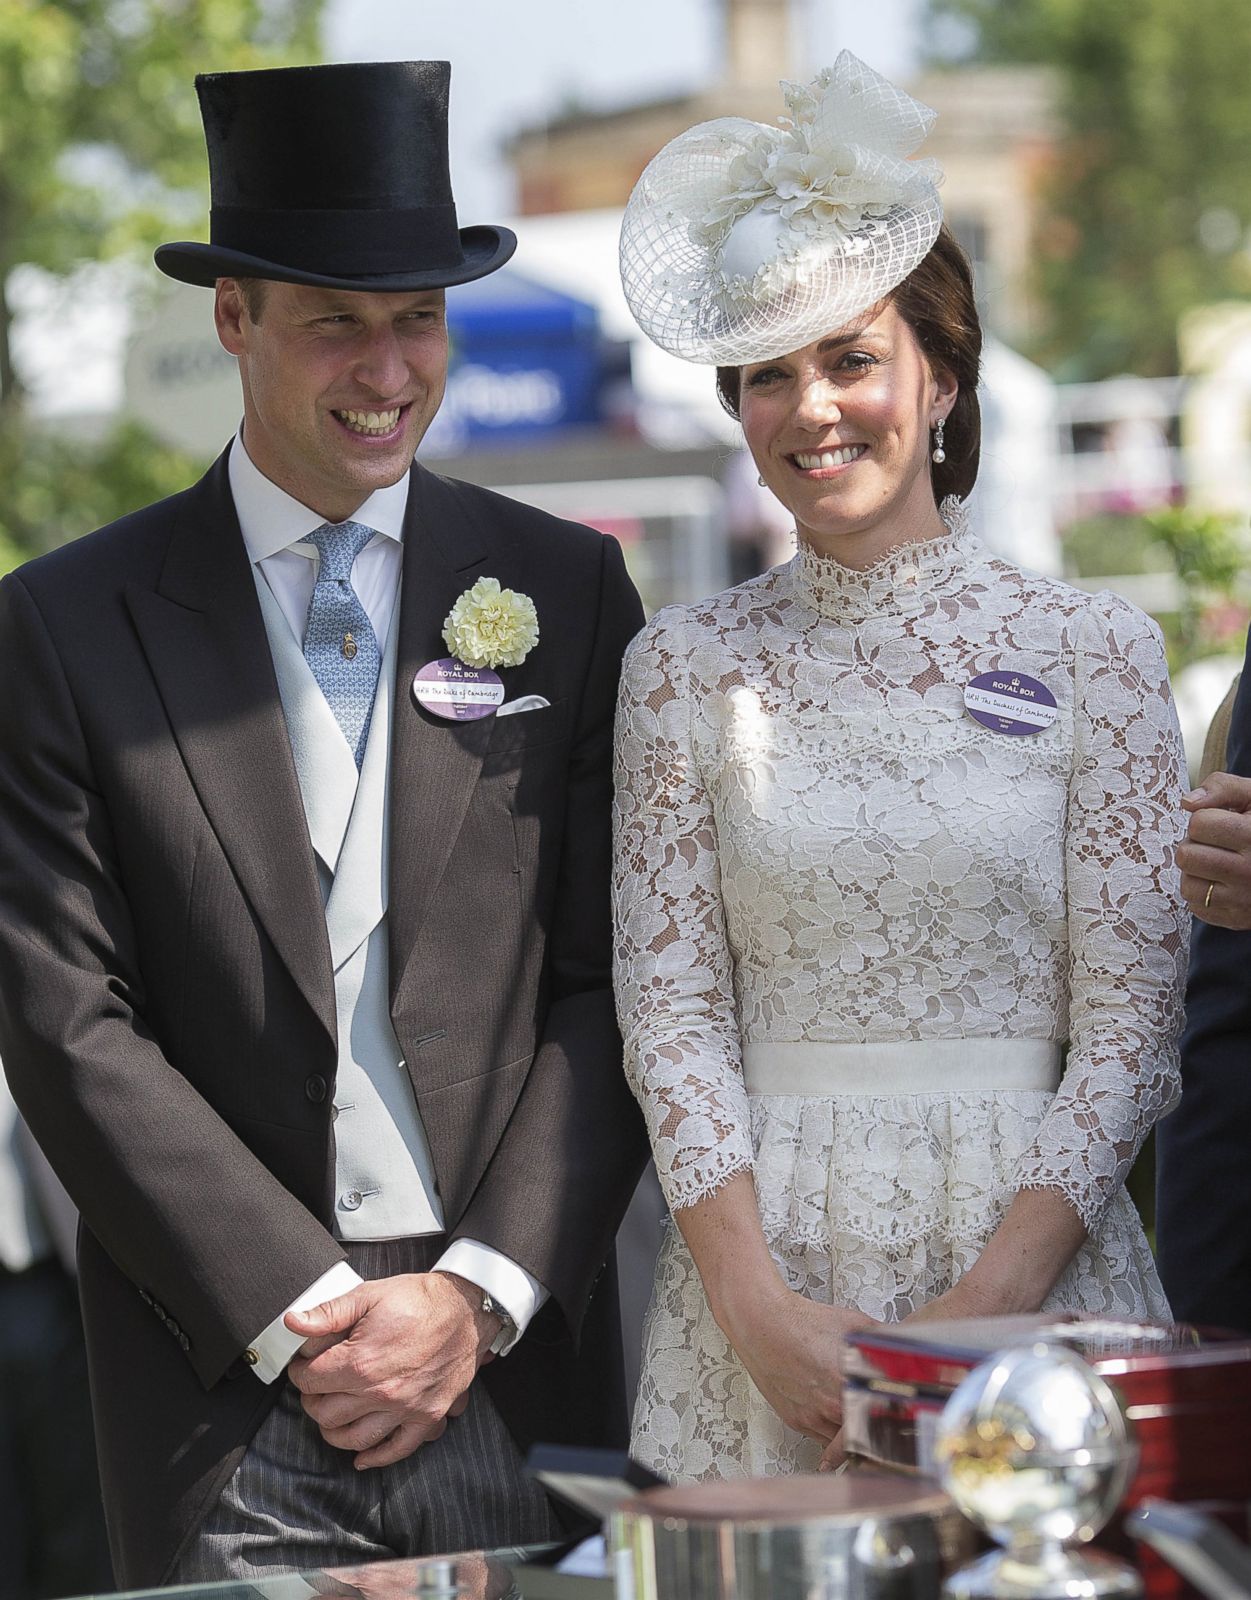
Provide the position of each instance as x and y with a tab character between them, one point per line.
840	432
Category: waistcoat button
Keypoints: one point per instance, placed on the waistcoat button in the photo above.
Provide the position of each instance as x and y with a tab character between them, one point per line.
315	1088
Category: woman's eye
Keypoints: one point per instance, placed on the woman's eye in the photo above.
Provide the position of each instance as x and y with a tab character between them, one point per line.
763	376
857	361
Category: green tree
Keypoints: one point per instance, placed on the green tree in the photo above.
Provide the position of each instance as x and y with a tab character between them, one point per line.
1147	210
1205	551
101	151
55	489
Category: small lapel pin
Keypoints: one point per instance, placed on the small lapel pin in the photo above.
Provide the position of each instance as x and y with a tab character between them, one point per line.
1010	702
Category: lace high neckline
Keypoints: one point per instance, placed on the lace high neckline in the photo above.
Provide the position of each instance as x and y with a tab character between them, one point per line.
904	579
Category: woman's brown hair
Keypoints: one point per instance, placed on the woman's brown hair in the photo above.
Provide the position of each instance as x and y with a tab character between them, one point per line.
936	301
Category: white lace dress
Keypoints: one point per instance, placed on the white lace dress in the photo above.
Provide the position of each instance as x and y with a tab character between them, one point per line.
855	928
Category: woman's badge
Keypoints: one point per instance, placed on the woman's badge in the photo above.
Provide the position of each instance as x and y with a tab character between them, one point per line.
449	688
1010	702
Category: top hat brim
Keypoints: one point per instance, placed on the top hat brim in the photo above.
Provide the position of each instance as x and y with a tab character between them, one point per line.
484	248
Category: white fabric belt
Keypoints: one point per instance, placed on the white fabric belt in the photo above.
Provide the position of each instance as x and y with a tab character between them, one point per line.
904	1066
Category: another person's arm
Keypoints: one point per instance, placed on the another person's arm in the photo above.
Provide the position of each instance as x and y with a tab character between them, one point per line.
675	999
1204	1188
1216	744
1215	859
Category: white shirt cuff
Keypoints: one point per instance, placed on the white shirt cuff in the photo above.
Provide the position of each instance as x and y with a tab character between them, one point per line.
277	1344
521	1295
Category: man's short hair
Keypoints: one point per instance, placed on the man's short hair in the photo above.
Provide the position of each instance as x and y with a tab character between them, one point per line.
253	292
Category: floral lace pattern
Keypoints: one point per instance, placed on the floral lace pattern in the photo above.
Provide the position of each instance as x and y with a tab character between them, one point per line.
816	842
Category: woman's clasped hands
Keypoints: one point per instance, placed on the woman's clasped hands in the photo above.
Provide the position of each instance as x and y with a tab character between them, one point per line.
792	1349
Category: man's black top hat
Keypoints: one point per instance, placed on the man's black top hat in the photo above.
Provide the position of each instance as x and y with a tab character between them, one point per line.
334	176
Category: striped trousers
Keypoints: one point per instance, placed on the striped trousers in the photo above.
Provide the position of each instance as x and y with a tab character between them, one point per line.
295	1503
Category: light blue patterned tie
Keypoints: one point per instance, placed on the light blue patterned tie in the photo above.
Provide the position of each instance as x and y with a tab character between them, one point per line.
339	642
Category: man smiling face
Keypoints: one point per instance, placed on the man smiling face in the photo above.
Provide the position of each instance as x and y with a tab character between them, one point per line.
338	387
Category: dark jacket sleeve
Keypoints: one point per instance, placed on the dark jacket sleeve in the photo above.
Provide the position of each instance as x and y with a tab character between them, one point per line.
557	1215
181	1205
1204	1199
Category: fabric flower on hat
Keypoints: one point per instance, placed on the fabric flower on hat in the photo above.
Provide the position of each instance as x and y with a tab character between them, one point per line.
491	627
837	162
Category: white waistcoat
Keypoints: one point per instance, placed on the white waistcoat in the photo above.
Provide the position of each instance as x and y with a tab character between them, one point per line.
384	1177
23	1237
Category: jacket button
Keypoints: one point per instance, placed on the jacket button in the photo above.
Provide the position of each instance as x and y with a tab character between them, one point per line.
315	1088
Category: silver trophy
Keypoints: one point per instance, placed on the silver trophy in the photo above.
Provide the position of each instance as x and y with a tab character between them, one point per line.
1033	1448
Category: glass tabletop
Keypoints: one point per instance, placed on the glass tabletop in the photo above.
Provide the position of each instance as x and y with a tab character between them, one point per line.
525	1573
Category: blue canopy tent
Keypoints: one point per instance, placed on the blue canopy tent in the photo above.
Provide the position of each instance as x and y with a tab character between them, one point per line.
525	361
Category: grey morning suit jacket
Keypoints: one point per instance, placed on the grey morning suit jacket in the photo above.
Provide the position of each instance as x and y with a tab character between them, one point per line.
166	990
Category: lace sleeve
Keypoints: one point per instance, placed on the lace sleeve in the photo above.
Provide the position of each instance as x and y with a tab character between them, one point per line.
673	970
1128	926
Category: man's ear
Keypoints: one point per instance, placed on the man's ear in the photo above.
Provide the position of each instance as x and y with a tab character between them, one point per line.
229	314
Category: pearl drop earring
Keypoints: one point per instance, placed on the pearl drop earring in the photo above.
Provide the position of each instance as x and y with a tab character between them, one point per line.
760	480
938	455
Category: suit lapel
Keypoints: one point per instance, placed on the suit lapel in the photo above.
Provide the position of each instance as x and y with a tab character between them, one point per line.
205	642
434	763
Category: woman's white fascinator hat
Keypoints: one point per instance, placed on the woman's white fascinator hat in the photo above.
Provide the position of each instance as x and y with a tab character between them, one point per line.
742	242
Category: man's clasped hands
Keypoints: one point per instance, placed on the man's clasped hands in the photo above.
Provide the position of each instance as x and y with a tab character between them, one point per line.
383	1367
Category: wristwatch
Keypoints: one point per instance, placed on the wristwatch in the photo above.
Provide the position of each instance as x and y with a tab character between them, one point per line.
508	1332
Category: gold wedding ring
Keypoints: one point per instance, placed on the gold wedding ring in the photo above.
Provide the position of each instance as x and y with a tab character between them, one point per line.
1207	899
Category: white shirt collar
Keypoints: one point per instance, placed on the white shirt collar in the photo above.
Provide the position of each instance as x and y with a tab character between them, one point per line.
271	520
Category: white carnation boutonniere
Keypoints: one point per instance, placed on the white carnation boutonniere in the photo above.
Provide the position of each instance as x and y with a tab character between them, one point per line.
491	627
